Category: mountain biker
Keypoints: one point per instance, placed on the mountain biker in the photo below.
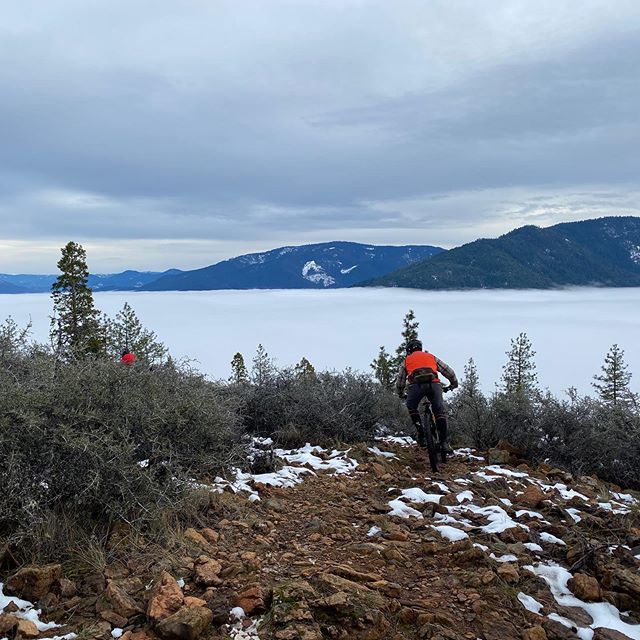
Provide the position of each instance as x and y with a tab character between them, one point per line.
419	374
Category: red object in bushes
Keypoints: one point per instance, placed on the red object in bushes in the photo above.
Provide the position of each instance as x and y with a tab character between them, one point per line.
128	359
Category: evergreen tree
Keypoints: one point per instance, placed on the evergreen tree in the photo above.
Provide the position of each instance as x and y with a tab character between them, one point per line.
263	369
613	383
519	373
409	332
239	374
383	367
75	325
470	408
304	370
126	332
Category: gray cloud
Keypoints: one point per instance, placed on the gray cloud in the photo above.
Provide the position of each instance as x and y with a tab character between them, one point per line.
218	128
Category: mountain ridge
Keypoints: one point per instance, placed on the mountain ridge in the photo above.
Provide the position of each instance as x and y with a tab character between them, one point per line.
598	252
321	265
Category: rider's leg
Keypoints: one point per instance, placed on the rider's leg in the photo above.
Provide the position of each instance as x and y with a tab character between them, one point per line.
437	403
414	395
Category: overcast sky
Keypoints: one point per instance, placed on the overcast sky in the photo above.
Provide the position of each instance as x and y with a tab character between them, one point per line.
176	134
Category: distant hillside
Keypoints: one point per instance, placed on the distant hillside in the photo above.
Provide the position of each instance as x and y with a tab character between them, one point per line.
314	266
602	252
9	287
125	281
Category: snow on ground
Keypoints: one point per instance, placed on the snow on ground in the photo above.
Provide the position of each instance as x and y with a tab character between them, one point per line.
27	611
349	325
383	454
602	613
302	462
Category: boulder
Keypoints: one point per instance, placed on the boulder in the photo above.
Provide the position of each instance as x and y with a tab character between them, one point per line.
7	624
197	538
32	583
206	571
499	456
534	633
186	624
252	600
27	629
166	598
120	602
532	497
585	587
509	573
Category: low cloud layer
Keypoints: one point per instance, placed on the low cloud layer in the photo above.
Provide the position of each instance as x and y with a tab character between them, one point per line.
167	134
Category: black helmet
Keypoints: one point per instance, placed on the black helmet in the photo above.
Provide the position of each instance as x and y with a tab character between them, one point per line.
125	352
413	345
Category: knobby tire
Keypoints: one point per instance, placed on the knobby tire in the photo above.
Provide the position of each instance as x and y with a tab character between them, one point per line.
431	445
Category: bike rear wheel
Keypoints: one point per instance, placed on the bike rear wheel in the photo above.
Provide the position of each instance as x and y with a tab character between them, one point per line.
431	445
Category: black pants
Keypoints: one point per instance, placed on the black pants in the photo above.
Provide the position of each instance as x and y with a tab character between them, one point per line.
433	393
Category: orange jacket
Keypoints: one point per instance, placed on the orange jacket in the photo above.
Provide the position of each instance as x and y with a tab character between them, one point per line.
421	360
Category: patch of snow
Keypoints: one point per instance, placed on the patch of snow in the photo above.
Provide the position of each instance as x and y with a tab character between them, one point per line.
337	462
238	613
506	502
468	453
625	497
117	632
405	441
499	519
451	533
143	464
551	539
27	611
574	514
603	614
615	509
531	514
482	547
496	468
532	546
383	454
507	557
180	582
238	631
529	603
464	495
349	270
418	496
402	510
374	531
441	486
313	272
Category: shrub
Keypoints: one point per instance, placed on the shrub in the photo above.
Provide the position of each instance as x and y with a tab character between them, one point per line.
102	441
323	408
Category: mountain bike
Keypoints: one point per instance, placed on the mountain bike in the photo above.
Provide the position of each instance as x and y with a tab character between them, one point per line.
431	434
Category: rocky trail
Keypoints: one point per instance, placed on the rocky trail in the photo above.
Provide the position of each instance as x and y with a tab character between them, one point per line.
367	544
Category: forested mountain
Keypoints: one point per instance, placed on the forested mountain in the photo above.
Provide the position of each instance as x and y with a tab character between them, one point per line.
601	252
313	266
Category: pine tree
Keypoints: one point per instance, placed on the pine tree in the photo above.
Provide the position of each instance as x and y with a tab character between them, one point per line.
383	368
126	332
75	325
409	332
304	370
613	384
519	373
239	373
263	369
470	407
470	386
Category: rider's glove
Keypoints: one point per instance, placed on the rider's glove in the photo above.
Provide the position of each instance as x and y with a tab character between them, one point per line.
453	385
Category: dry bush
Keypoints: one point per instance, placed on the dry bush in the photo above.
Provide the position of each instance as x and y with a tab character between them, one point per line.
323	408
102	443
